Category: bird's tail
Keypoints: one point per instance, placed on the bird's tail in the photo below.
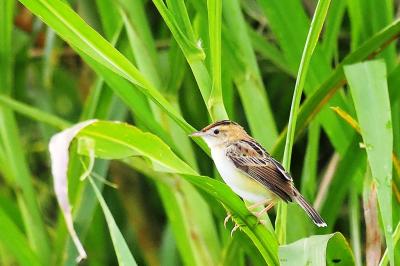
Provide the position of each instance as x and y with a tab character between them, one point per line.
311	212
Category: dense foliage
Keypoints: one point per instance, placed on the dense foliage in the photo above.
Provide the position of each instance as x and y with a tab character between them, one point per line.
320	78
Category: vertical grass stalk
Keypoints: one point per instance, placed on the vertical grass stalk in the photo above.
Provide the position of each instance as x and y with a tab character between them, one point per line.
215	101
312	39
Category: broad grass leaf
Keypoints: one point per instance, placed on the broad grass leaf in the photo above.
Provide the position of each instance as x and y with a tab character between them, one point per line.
369	89
126	138
116	140
317	250
15	242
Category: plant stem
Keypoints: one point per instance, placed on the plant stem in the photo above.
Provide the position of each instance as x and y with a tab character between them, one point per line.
312	39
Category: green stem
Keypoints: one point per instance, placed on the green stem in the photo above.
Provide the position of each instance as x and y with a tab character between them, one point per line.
215	102
312	39
396	237
355	226
34	113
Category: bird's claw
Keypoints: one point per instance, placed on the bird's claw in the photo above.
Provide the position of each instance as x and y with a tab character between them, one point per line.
229	216
257	214
234	229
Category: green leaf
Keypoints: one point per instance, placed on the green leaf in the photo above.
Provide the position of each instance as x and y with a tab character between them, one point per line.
364	25
109	17
355	226
215	102
270	52
183	34
15	242
188	214
182	31
310	167
246	74
6	59
82	37
11	146
130	140
330	39
32	112
191	221
345	177
368	86
317	250
320	97
124	256
312	39
116	140
396	238
289	22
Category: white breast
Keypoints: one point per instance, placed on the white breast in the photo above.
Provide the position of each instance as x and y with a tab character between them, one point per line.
243	185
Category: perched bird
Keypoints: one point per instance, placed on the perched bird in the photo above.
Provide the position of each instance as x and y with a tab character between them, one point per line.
248	169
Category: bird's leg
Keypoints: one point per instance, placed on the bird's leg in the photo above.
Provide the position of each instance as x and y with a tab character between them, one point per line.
257	204
266	209
258	214
229	216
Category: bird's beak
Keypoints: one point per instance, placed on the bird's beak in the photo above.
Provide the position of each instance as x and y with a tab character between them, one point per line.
197	134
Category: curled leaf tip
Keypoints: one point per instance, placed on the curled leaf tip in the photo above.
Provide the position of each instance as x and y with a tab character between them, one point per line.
59	155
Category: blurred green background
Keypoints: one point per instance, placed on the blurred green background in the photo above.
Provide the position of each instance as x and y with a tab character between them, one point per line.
168	68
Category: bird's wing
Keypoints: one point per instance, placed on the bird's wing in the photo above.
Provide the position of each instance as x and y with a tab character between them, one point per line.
251	158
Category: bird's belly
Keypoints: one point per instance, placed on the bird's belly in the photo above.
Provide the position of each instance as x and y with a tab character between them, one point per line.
243	185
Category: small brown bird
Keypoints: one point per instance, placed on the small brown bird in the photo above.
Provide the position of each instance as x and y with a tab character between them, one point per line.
250	171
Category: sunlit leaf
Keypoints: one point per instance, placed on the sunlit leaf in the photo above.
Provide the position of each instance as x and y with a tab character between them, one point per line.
371	100
317	250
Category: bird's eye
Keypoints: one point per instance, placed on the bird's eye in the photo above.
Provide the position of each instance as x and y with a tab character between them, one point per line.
216	132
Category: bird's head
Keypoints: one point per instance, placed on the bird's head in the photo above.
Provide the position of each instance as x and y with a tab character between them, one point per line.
221	133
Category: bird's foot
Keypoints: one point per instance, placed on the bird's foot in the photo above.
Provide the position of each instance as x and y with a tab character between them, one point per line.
234	229
228	216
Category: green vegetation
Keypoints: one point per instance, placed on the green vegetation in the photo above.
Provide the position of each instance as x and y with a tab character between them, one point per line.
315	82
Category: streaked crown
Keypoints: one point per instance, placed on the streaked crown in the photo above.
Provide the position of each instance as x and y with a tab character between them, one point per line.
219	124
222	132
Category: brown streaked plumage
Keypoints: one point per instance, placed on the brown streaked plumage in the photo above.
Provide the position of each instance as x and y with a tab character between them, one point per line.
219	123
248	168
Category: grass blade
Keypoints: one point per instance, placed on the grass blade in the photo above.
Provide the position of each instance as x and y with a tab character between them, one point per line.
355	226
75	31
121	248
246	74
6	26
183	34
110	145
371	100
215	102
35	113
312	39
314	103
15	242
12	147
317	250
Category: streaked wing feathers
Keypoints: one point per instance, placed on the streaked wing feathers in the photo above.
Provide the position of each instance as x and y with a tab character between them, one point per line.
252	159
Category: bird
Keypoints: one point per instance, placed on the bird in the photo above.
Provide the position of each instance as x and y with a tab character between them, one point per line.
250	171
